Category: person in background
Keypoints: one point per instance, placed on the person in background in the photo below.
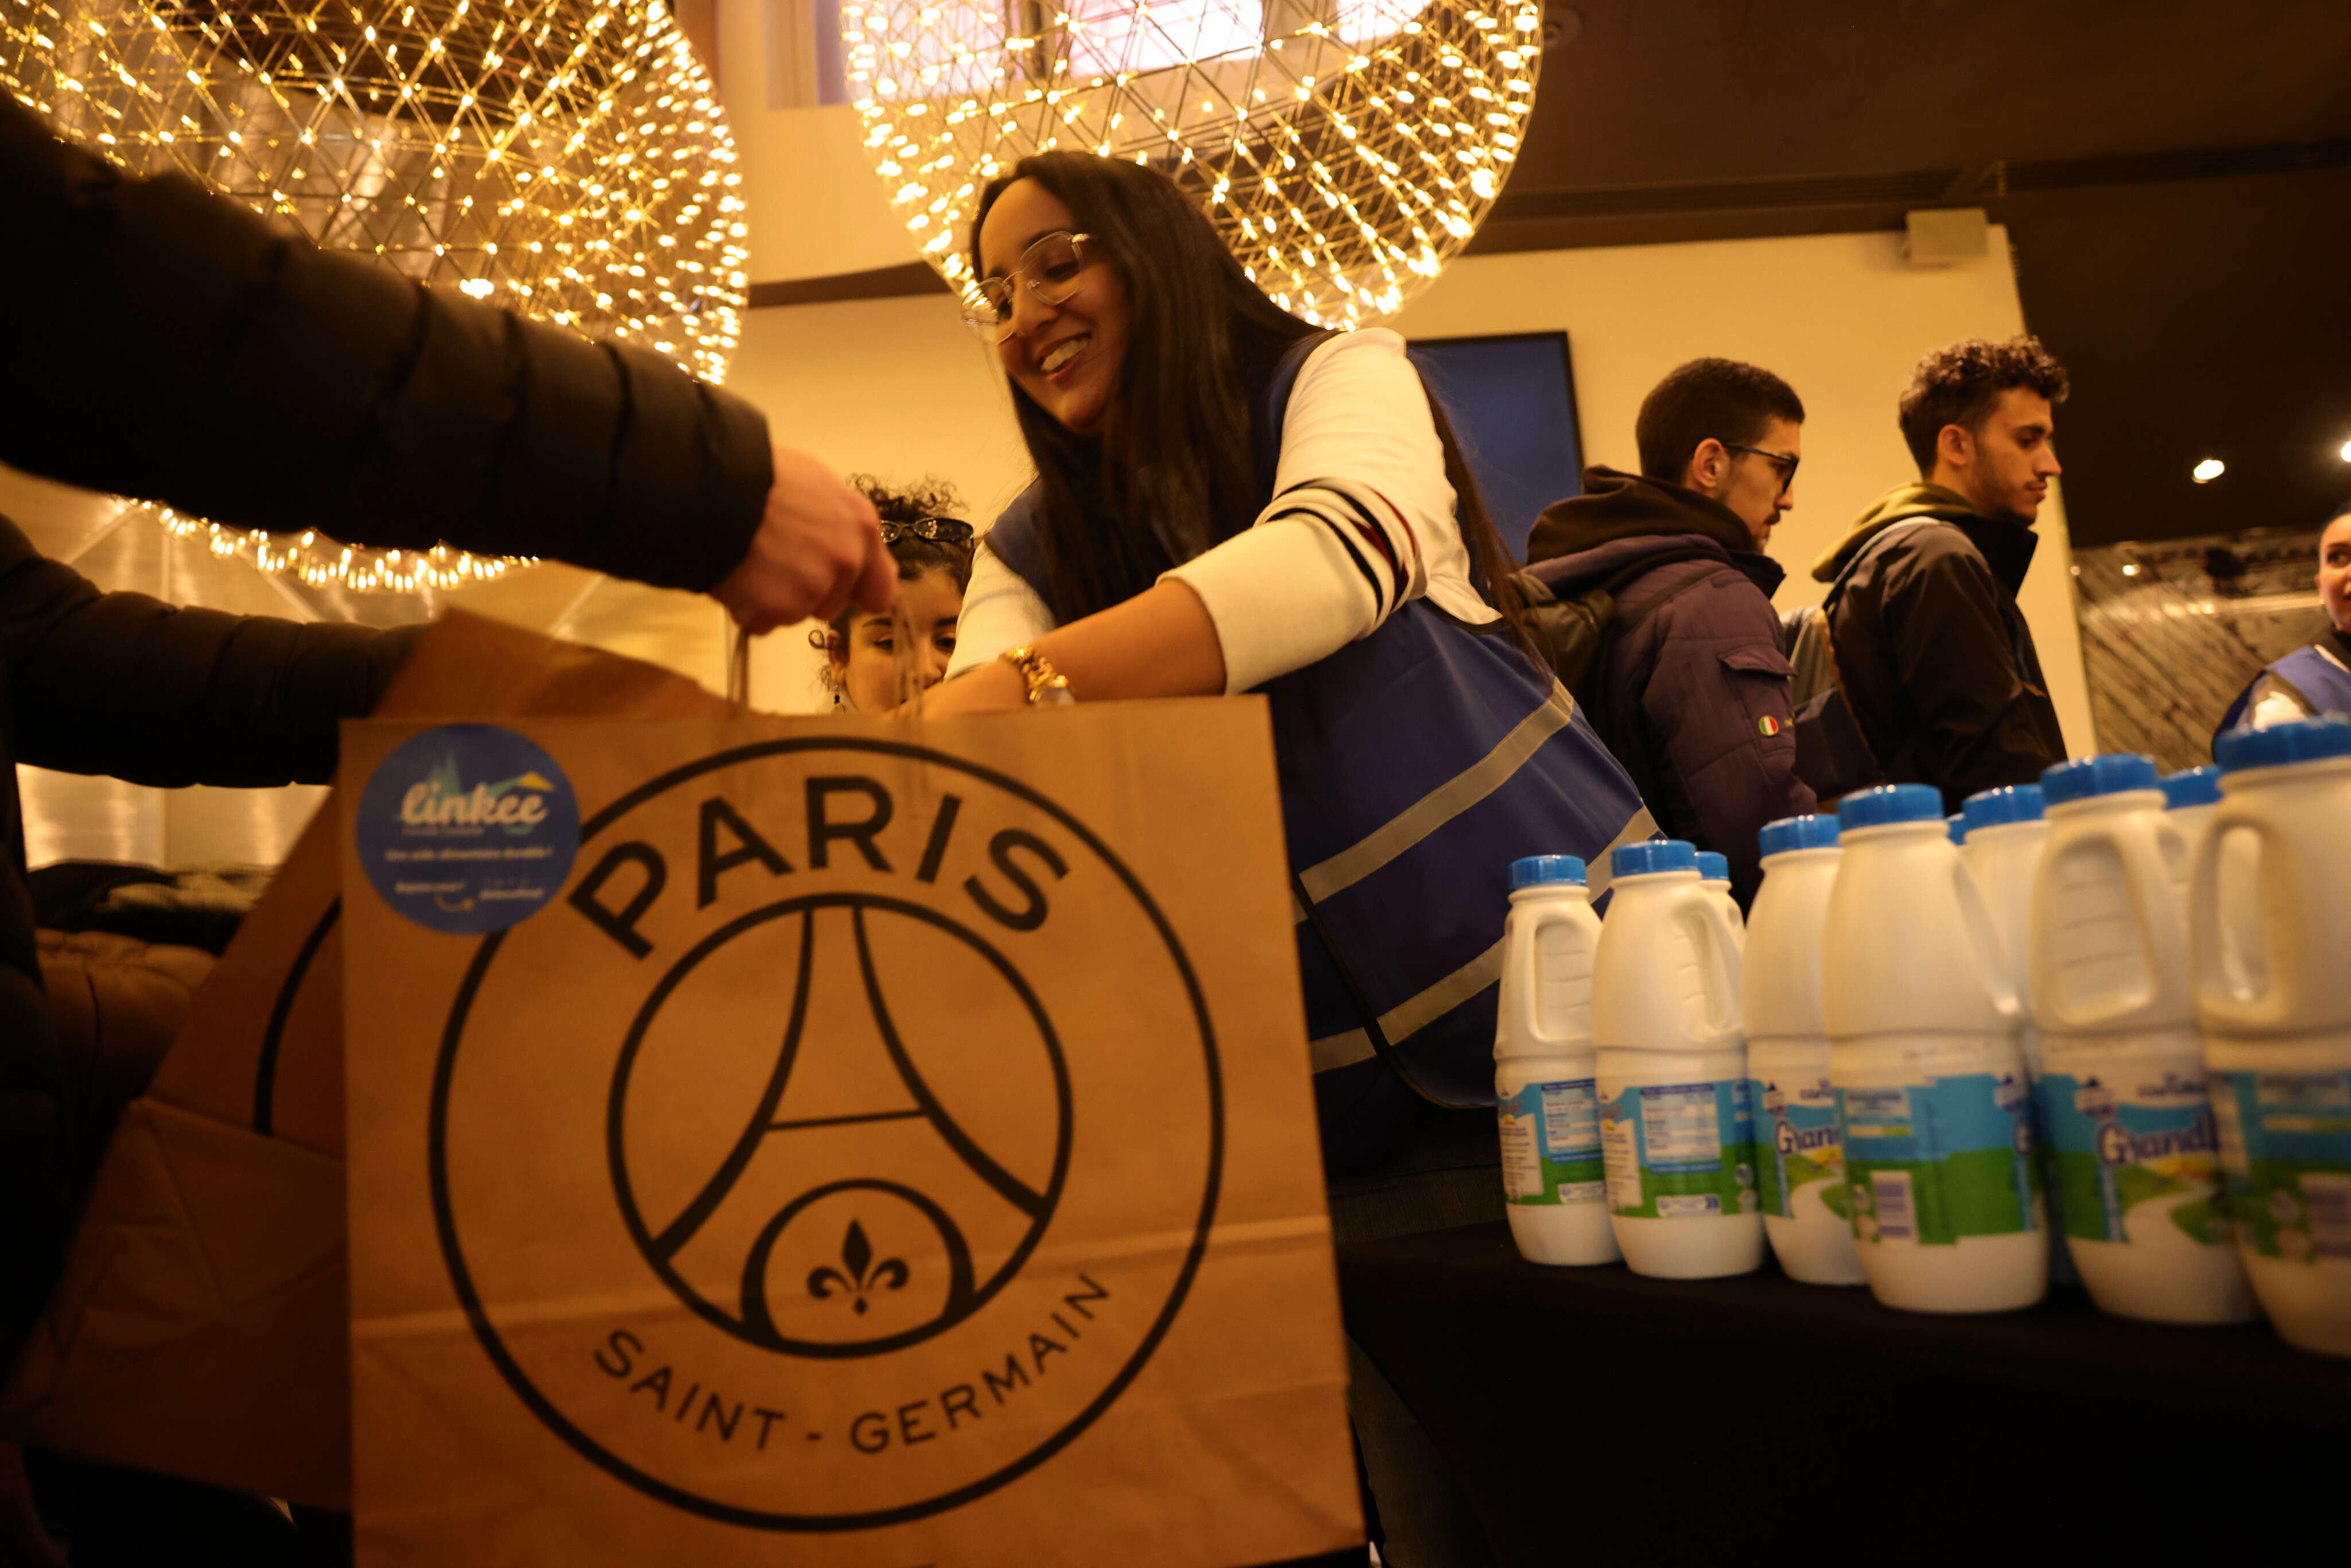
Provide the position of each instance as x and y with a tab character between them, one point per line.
1933	652
1689	685
933	549
2315	677
1228	500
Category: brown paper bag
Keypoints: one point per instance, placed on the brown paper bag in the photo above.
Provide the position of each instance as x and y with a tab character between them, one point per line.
200	1327
876	1148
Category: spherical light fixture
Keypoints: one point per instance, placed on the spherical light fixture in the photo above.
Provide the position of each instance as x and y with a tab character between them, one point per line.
565	158
1347	152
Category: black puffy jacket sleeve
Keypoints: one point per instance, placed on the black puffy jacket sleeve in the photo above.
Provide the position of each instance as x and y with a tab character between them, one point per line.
159	694
159	341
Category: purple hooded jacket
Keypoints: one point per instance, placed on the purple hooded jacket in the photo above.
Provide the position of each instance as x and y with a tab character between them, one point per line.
1693	699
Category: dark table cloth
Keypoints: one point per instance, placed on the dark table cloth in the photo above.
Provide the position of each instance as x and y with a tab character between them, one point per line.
1592	1411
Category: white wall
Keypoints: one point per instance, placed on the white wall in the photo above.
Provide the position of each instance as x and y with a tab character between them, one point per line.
817	207
898	388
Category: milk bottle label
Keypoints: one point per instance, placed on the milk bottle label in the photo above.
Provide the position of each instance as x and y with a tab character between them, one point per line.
1798	1142
1551	1144
2285	1144
2136	1158
1931	1162
1680	1151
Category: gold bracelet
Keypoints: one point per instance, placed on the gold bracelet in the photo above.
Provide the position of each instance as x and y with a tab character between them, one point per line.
1048	687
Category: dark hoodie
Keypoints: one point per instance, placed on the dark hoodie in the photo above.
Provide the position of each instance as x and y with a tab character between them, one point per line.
1935	659
1693	696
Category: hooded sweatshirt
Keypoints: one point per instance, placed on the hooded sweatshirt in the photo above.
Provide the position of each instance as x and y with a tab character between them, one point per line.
1692	696
1934	654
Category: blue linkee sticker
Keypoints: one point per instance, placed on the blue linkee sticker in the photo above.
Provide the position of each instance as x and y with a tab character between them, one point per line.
468	829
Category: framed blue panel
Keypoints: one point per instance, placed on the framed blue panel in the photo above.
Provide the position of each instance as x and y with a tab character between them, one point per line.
1512	401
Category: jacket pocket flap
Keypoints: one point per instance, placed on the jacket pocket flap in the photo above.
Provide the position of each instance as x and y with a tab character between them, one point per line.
1762	661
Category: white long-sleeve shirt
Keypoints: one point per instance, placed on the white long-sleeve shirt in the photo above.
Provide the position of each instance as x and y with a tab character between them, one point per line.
1360	522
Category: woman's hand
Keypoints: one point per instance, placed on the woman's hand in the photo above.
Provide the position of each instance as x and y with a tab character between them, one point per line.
1159	643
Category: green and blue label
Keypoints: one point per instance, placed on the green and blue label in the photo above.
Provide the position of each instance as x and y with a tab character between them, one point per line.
1680	1151
1930	1164
1551	1144
2285	1146
1799	1143
2135	1157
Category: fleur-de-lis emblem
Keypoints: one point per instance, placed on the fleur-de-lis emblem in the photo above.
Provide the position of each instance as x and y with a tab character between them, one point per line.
857	1257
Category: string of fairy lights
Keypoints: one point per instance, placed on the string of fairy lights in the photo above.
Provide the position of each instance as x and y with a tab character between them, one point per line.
1345	149
568	158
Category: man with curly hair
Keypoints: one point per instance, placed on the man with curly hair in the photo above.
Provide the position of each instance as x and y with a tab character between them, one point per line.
1937	662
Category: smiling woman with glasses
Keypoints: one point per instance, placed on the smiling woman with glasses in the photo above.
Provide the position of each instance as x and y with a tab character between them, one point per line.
1230	500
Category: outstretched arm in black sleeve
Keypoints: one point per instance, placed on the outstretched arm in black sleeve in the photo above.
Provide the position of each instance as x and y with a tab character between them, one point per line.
128	685
160	341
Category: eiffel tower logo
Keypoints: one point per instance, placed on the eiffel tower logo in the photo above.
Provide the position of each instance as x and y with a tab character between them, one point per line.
877	1189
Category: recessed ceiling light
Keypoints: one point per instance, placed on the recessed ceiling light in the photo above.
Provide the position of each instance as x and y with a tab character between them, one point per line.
2211	468
2346	452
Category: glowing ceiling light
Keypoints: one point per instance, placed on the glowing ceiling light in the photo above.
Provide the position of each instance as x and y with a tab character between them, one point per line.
2346	453
1345	165
2211	468
566	157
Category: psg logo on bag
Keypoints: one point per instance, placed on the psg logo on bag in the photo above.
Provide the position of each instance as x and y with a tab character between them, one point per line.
864	1066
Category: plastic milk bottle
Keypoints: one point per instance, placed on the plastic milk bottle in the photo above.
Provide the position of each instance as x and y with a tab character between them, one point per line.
2122	1093
1714	875
1545	1069
2005	832
1807	1208
1930	1083
2191	796
2276	1011
1677	1133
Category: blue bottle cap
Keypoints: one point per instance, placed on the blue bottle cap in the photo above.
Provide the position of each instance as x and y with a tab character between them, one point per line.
2303	740
1890	803
2064	782
1543	871
1997	807
1958	821
1816	832
1712	867
2191	786
1657	854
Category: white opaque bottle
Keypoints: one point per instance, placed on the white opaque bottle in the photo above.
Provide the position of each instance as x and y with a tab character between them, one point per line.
1800	1158
2004	835
1931	1082
1546	1070
1676	1131
2122	1093
1714	875
2276	1013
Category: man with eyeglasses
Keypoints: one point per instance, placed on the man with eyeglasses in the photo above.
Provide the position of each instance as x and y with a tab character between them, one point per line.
1689	684
1933	655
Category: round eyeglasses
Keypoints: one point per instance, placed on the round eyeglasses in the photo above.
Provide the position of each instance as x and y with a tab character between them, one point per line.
939	530
1051	268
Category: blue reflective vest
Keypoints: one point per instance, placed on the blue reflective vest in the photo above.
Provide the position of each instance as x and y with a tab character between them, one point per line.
1415	765
2310	673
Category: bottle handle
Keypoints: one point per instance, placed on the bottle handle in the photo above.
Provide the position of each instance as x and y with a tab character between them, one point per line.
1529	991
2222	971
1724	1013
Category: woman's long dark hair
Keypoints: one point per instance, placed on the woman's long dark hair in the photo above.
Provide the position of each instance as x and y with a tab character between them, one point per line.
1175	471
